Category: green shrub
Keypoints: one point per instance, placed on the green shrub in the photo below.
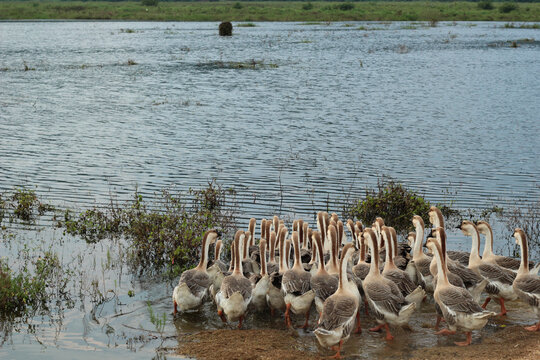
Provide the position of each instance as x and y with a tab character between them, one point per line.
485	5
345	6
508	7
237	5
307	6
394	203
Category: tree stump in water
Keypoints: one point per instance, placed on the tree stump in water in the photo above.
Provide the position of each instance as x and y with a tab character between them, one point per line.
225	29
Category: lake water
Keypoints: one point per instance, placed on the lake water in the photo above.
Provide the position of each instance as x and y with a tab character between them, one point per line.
293	116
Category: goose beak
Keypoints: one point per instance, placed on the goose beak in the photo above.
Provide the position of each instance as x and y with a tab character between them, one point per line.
219	233
458	227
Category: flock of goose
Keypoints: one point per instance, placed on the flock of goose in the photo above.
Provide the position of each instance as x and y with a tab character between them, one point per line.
258	279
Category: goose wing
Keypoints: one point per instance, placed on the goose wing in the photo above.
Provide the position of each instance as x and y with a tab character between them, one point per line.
296	283
232	284
496	273
458	300
507	262
402	281
337	311
197	281
382	296
324	286
529	285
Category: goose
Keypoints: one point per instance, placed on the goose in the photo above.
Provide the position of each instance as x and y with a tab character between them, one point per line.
526	285
421	260
361	269
332	265
274	296
272	265
217	266
216	284
384	297
410	269
296	287
458	275
322	283
323	220
235	293
437	220
339	310
399	259
253	249
260	282
410	292
488	256
457	305
499	279
193	285
249	266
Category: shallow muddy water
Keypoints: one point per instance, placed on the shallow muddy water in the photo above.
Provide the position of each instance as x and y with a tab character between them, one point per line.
315	113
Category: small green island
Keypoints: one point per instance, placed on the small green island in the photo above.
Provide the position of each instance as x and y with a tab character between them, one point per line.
254	11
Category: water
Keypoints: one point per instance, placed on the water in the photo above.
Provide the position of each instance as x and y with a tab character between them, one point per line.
451	111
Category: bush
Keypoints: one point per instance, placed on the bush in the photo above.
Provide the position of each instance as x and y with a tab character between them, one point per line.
237	5
307	6
508	7
345	6
150	2
485	5
395	204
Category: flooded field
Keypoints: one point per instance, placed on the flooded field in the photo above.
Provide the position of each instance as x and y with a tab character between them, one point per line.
296	118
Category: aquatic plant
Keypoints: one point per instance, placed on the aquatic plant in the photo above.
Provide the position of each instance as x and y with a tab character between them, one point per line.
150	2
528	219
167	231
307	6
225	29
395	203
22	204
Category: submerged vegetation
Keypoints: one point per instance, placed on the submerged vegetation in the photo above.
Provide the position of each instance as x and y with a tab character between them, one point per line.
250	11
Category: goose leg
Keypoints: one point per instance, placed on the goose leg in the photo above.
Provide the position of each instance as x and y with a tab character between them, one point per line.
306	324
377	328
222	316
240	322
466	342
358	324
338	349
366	307
389	336
533	328
503	309
175	308
445	332
488	299
272	312
287	315
438	322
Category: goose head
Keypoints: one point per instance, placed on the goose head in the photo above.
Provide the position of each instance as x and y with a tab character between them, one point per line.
435	217
468	228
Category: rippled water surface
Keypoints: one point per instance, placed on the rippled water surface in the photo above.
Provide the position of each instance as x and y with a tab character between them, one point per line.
293	116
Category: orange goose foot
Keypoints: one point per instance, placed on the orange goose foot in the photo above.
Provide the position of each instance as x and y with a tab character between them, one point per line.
466	342
445	332
389	336
533	328
377	328
338	349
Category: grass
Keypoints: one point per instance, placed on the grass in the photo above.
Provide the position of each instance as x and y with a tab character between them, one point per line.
268	11
22	204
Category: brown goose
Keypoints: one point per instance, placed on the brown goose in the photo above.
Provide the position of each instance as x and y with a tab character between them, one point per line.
274	296
410	292
499	279
526	285
421	260
339	311
296	287
459	309
272	265
235	293
322	283
384	297
437	220
260	282
193	285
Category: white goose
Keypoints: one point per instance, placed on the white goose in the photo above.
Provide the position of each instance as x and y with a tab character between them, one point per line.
193	285
339	311
296	287
499	279
384	297
235	293
459	309
526	285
